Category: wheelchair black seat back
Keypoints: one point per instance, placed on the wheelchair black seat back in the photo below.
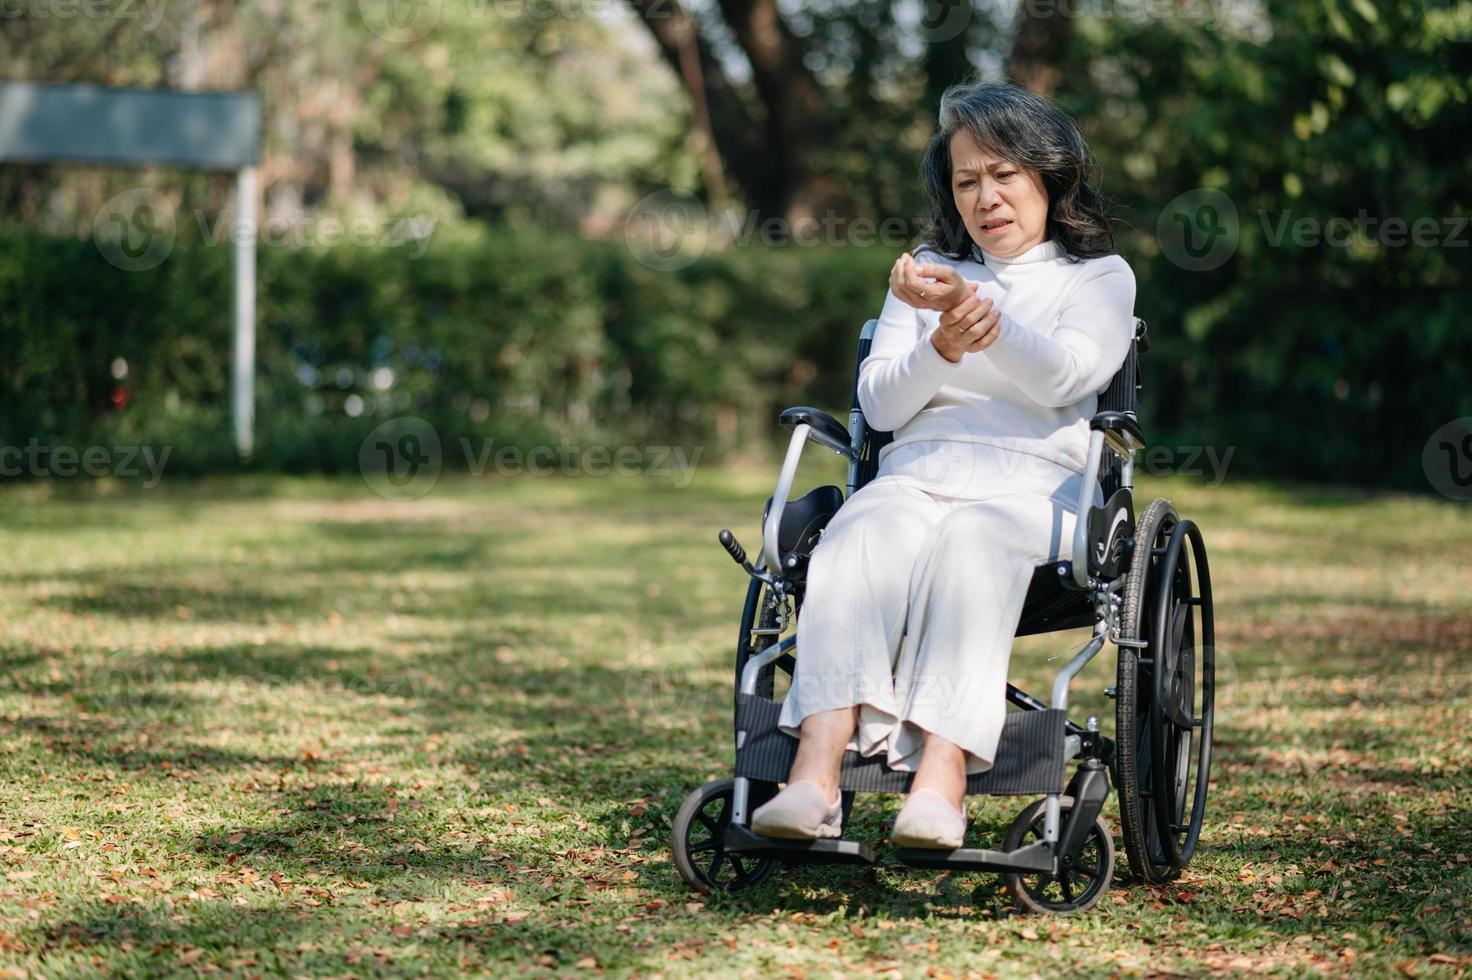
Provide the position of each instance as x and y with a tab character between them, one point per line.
1141	583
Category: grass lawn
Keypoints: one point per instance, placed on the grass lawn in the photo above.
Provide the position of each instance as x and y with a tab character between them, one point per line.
263	726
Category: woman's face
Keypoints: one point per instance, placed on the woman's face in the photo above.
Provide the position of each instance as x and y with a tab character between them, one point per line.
1004	207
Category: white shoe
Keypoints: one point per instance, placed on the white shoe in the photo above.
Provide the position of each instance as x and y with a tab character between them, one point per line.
799	812
928	820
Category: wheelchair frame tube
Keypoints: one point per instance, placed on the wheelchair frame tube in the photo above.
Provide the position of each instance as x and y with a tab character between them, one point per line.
741	786
1052	807
753	666
779	497
1067	674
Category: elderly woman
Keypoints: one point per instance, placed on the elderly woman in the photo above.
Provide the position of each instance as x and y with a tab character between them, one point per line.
986	364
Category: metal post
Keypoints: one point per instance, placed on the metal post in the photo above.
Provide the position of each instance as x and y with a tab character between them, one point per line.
243	367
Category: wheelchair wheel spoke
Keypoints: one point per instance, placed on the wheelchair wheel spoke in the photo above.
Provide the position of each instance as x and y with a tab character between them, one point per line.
707	823
740	868
1065	886
1089	870
703	846
715	863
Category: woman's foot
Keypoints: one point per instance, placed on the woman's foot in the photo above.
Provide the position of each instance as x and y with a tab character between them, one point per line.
928	819
802	811
799	812
935	813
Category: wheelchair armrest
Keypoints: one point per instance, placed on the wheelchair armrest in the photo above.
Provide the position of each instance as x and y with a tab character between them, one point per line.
1121	431
824	428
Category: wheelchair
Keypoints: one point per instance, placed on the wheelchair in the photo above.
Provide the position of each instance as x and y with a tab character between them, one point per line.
1141	584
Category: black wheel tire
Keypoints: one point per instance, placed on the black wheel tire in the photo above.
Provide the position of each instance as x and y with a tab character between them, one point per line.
699	844
1047	894
1152	857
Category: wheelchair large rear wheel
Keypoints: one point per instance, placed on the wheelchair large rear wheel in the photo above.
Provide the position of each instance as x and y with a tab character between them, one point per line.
1165	695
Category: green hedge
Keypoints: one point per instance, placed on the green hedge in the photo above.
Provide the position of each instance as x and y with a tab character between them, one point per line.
522	336
528	337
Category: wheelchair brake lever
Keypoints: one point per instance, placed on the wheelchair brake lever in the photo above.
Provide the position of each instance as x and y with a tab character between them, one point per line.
738	555
733	547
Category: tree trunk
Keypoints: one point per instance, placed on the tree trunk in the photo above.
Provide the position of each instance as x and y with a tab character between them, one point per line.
732	128
769	153
1038	48
796	126
946	60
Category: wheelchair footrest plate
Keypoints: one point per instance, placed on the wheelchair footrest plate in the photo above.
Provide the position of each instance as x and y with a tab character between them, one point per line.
1033	858
740	840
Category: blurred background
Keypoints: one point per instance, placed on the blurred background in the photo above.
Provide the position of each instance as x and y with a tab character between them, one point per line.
661	221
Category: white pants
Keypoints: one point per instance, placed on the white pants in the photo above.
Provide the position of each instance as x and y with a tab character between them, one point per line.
948	575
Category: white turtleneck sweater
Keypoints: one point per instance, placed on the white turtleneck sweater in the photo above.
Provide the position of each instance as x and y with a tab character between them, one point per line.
1017	413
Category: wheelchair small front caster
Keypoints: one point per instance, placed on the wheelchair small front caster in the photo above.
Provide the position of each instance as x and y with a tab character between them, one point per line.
700	848
1079	885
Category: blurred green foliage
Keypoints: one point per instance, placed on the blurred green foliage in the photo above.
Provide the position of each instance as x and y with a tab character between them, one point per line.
1317	360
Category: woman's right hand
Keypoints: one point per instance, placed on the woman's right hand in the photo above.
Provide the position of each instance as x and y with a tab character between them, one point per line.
971	326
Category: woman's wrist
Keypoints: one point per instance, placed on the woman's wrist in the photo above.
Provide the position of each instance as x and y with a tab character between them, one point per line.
942	351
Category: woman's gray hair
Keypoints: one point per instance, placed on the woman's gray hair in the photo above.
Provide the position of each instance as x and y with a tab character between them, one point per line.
1020	126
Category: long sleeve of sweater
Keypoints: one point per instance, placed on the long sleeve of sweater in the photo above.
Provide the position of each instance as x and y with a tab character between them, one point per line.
1085	348
903	370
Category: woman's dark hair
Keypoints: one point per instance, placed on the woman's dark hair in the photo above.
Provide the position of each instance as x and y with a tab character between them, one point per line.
1020	126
